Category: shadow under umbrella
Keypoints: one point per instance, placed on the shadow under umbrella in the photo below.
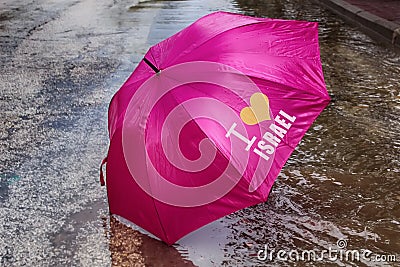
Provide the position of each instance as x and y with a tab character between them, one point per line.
129	247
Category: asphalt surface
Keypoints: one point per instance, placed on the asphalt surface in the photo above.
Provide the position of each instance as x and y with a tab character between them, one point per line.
59	62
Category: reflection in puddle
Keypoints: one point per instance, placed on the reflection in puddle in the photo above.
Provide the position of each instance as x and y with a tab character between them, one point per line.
129	247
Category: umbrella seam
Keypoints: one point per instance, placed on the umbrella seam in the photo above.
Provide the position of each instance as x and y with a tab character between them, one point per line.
318	94
122	114
154	202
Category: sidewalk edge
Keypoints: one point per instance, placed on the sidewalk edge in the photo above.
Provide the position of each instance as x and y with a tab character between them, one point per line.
379	28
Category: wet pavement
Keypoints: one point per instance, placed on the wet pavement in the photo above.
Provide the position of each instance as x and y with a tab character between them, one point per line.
61	62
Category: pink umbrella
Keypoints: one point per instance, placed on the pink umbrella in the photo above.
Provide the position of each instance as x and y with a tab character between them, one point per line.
207	120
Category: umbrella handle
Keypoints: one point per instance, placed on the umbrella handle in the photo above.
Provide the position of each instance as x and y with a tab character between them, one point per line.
102	182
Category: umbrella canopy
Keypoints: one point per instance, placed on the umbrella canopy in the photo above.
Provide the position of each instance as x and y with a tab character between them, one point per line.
207	120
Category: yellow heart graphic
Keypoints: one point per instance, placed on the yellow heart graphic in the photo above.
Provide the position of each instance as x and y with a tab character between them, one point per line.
258	110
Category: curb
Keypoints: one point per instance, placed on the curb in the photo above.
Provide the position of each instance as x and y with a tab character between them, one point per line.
379	28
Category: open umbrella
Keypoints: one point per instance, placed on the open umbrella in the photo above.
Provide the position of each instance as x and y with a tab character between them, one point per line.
208	118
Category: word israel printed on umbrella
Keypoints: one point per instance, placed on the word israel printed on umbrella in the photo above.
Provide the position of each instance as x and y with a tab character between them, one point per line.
270	139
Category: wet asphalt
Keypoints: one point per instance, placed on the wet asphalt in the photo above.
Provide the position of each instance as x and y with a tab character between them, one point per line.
60	64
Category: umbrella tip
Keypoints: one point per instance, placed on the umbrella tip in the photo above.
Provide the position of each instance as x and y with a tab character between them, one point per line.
156	70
